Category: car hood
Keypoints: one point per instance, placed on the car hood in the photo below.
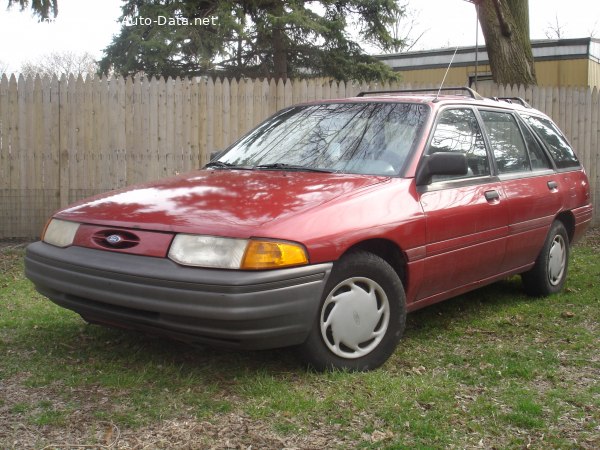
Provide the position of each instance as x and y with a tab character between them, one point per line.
217	202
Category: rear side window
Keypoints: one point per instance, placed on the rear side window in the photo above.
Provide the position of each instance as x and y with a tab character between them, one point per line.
537	155
507	142
561	151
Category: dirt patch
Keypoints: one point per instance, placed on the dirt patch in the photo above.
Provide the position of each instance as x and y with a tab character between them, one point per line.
13	244
591	239
80	428
228	431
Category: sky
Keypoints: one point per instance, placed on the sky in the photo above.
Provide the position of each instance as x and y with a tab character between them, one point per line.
83	26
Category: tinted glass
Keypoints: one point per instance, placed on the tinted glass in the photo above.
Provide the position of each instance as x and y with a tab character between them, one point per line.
537	156
457	130
561	151
507	143
369	138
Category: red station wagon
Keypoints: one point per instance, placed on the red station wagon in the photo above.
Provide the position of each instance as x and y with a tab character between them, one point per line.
325	225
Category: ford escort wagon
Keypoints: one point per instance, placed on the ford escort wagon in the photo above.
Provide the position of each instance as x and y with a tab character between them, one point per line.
325	225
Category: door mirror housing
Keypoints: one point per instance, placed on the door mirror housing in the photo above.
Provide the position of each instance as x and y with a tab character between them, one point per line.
441	163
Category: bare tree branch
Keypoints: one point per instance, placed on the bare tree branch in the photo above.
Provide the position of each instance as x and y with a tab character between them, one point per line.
403	29
554	30
61	63
593	32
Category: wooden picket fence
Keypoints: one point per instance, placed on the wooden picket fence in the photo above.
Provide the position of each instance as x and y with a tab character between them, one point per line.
62	140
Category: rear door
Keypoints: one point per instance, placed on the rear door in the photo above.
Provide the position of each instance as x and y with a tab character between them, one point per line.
533	189
466	216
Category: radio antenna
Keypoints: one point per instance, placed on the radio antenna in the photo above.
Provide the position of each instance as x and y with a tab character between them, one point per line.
476	44
446	74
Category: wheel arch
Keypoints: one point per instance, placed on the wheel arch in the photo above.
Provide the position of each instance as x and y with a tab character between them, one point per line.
387	250
568	220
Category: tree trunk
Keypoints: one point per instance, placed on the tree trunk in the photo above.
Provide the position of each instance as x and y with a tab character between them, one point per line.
505	26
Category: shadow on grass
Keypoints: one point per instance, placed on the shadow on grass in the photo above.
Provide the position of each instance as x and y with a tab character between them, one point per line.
68	341
71	345
481	303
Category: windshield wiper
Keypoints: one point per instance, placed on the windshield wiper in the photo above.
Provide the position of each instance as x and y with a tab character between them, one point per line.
291	167
224	165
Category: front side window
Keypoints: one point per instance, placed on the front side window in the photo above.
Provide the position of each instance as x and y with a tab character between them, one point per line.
457	130
364	138
506	140
561	152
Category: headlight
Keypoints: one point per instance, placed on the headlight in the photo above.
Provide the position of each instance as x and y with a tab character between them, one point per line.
60	232
207	251
228	253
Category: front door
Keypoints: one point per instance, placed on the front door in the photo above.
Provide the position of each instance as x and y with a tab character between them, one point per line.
466	216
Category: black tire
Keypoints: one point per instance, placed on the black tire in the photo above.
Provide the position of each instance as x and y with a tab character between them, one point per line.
549	273
361	316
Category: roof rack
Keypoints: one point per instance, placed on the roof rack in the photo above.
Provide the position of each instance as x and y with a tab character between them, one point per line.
473	94
512	100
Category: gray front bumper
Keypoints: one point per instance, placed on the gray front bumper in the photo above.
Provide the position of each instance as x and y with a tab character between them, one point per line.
253	310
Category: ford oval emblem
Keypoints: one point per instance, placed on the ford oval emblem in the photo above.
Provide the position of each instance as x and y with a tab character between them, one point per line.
113	239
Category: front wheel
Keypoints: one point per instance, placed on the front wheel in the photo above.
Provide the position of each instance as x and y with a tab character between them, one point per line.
361	317
549	273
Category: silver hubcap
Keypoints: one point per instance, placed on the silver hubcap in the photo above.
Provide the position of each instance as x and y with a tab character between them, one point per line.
355	317
557	259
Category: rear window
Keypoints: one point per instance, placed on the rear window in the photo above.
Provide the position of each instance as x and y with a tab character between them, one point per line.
560	150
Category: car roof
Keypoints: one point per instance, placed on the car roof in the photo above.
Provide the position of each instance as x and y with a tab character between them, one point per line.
438	97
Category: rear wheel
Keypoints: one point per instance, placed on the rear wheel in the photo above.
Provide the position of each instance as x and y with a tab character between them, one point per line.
361	316
549	273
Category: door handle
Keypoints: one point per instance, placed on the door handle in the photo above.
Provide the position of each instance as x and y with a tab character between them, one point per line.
552	185
492	196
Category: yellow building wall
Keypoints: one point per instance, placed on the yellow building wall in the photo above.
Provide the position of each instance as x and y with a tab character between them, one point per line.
575	72
594	74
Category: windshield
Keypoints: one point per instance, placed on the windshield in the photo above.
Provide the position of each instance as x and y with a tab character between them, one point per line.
363	138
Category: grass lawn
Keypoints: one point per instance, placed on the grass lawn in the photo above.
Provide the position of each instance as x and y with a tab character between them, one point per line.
490	369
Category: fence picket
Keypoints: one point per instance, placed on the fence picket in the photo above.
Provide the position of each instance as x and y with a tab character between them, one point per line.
177	129
226	114
218	114
233	111
257	105
594	167
192	156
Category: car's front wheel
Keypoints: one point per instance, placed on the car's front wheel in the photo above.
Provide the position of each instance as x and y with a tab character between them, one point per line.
549	273
361	316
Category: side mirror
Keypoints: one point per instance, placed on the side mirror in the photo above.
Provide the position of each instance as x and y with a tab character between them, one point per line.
441	163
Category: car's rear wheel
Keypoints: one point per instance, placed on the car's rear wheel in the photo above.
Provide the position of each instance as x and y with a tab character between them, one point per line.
549	273
361	316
